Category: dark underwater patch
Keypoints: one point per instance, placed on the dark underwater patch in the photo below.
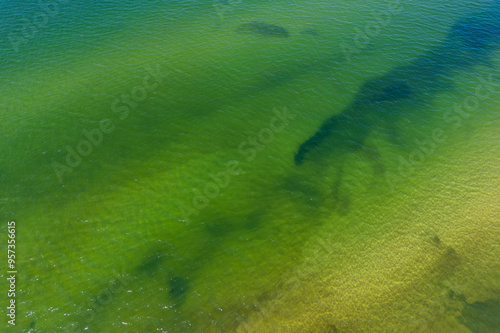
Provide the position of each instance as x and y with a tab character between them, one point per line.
178	286
332	329
475	35
436	240
346	130
482	317
216	229
385	90
470	41
150	265
262	29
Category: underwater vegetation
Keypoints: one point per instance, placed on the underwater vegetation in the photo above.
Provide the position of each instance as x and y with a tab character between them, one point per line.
262	29
470	42
219	270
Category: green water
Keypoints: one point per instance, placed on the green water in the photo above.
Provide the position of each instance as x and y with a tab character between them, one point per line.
188	214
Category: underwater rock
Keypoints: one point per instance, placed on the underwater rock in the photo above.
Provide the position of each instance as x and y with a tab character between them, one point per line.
262	29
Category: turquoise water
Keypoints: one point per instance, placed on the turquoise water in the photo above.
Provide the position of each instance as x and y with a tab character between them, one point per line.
149	159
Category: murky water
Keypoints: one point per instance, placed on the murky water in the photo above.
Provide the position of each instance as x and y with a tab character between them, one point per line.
151	158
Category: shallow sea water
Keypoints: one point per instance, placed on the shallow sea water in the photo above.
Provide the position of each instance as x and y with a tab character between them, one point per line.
147	157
